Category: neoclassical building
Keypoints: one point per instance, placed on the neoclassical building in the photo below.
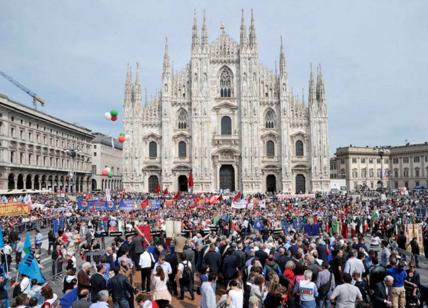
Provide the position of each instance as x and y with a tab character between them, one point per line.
231	121
39	152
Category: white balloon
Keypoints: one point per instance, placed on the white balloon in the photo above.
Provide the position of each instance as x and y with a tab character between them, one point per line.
107	115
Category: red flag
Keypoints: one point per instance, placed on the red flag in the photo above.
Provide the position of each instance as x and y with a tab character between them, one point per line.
177	196
144	203
157	188
220	197
248	201
165	191
237	197
190	180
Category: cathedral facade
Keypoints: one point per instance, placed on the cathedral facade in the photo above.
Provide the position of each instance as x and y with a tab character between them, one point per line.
229	121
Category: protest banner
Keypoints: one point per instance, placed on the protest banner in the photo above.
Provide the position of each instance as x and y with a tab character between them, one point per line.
172	228
14	209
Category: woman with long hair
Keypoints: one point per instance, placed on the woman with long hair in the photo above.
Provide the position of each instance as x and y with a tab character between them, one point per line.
159	284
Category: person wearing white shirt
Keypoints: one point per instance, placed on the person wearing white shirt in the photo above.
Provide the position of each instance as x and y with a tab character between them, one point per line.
146	261
167	269
354	264
235	295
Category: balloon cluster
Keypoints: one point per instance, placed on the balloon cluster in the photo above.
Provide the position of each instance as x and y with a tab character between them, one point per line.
107	172
112	115
122	138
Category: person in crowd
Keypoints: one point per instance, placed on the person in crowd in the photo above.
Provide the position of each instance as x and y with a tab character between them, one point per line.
146	263
160	293
414	246
208	298
325	283
57	260
50	298
212	259
382	293
103	301
399	274
120	290
4	297
353	264
83	299
97	282
83	278
235	295
306	290
412	285
346	295
363	286
185	278
171	258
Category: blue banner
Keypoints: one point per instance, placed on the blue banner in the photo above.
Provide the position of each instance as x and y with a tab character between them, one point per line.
127	205
97	205
155	204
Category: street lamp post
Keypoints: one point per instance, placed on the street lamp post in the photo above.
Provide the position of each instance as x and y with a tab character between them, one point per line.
72	153
381	152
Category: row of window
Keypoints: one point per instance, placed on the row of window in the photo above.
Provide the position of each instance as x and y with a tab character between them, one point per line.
417	172
226	122
363	160
182	149
45	161
371	173
416	159
396	173
51	141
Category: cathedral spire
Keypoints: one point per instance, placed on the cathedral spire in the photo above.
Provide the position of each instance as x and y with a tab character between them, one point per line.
320	90
195	37
204	34
312	89
281	59
243	41
128	85
253	42
166	63
137	85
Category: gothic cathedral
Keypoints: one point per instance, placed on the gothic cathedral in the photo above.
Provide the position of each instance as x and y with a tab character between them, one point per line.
228	120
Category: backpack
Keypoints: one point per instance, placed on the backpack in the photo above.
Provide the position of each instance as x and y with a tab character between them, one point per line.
16	291
187	273
324	288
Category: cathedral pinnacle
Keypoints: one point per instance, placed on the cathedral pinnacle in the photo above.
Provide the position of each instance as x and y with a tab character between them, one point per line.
166	64
137	85
243	41
253	42
204	35
320	90
195	37
312	89
128	85
281	59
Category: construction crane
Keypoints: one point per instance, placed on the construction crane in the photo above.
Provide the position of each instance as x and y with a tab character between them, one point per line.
36	98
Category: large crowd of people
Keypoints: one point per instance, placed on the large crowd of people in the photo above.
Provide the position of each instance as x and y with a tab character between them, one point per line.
315	251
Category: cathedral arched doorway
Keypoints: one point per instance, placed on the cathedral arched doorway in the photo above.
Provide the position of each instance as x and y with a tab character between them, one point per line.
300	184
153	182
182	183
227	177
94	185
11	181
270	183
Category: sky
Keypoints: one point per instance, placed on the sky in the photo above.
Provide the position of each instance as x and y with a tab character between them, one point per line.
374	56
